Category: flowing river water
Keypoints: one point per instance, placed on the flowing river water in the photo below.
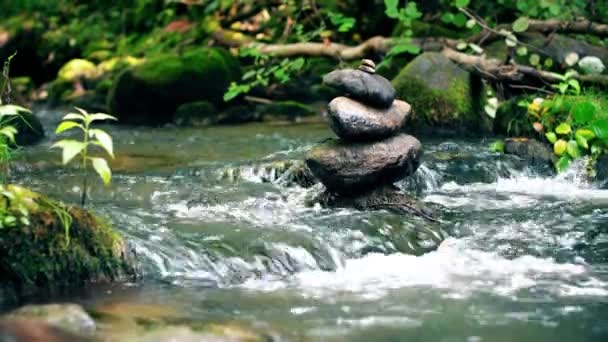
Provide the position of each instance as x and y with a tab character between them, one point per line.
220	237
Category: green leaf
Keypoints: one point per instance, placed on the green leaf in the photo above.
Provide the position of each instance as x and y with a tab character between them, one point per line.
73	116
101	167
585	133
575	85
560	147
581	141
521	24
562	164
104	140
391	8
71	148
498	146
551	137
100	117
471	23
596	149
522	51
9	132
600	129
583	112
8	110
462	3
563	129
573	149
447	17
66	125
476	48
460	20
534	59
404	47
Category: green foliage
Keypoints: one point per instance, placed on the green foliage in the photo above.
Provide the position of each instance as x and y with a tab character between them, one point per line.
406	16
266	71
342	22
576	126
91	137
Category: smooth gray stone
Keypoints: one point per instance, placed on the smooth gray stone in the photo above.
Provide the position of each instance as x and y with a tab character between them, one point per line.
351	168
352	120
371	89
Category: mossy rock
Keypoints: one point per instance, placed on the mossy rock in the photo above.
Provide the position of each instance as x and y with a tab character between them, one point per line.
200	113
237	115
77	69
286	110
29	128
150	93
36	255
118	63
442	95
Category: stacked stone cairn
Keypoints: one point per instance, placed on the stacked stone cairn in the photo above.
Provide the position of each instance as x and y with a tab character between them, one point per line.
371	154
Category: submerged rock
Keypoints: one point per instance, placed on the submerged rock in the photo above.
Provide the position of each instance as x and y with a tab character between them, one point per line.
47	247
350	168
31	330
352	120
371	89
69	317
149	93
532	150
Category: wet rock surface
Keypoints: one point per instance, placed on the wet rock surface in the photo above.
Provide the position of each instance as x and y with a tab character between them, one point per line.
349	168
352	120
366	87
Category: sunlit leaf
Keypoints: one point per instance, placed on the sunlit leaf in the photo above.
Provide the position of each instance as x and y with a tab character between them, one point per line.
552	137
560	147
572	149
521	24
600	129
581	141
100	117
585	133
103	170
563	163
7	110
104	140
73	116
9	132
71	148
497	146
66	125
563	129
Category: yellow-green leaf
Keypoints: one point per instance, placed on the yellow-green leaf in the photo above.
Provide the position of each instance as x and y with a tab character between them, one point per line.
552	137
585	133
6	110
560	147
104	140
70	149
73	116
581	141
66	125
100	117
572	149
9	132
563	163
563	129
103	170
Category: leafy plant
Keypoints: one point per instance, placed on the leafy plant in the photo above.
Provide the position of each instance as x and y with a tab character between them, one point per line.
265	72
574	126
91	137
407	16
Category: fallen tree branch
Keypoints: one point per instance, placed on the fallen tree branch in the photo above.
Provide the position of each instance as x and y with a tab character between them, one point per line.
512	72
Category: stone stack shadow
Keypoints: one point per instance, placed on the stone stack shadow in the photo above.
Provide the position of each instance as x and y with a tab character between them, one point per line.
360	168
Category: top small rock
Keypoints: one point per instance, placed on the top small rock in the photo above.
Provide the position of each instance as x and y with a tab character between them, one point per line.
363	85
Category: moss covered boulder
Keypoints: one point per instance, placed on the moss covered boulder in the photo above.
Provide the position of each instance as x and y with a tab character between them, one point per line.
150	93
442	95
47	247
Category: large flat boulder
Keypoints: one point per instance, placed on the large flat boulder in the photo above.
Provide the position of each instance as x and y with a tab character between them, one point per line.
354	121
350	168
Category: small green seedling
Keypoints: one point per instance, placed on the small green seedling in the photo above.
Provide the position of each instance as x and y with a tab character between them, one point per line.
91	137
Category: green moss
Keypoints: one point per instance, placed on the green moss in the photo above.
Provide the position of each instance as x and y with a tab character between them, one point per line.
150	93
441	94
35	253
76	69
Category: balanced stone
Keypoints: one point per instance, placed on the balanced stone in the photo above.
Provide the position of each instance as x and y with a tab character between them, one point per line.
371	89
367	69
351	168
368	63
352	120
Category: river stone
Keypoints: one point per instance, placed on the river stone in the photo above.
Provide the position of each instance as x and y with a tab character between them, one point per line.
371	89
69	317
352	120
350	168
